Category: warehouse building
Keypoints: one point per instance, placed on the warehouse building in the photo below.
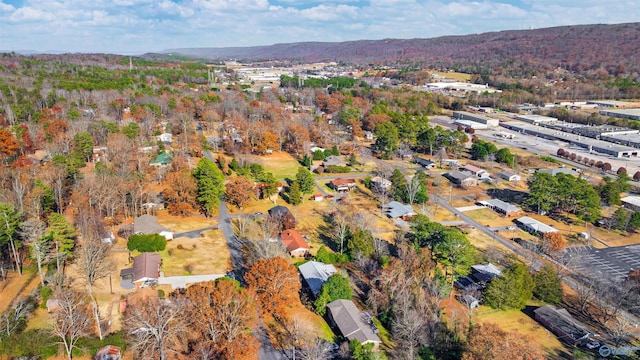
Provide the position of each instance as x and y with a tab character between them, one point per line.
592	145
633	114
615	104
482	119
536	119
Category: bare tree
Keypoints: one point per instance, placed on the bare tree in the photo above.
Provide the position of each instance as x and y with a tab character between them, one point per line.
154	328
619	329
12	319
340	219
32	231
412	187
72	319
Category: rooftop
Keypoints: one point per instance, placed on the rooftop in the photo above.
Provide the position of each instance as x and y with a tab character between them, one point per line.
560	319
536	225
292	240
353	324
631	200
316	274
502	205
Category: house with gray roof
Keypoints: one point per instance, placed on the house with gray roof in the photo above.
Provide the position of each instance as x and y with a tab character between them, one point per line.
397	210
534	226
148	224
509	176
462	179
315	274
501	207
352	323
333	161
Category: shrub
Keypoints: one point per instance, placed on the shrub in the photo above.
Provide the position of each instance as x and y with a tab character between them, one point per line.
560	152
147	243
636	176
337	169
45	293
621	170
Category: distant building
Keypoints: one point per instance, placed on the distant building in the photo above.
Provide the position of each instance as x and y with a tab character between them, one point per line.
631	203
145	271
351	323
462	179
536	119
425	163
509	176
561	323
294	242
380	184
342	184
501	207
397	210
165	138
534	226
476	171
161	160
109	352
482	119
315	274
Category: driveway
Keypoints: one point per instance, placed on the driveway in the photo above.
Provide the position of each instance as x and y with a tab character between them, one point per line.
194	233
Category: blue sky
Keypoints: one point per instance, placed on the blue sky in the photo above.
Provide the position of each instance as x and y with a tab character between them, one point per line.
138	26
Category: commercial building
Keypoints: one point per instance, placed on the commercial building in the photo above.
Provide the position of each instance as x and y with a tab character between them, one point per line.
536	119
615	104
633	114
592	145
481	119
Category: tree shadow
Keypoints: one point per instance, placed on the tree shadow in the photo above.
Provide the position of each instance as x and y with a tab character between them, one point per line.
508	195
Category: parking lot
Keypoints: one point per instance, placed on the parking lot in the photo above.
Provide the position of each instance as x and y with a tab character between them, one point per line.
610	263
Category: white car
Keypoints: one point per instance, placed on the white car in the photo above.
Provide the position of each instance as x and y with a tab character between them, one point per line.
593	345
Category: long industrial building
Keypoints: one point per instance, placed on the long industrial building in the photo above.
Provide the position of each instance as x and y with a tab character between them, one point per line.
633	114
592	145
482	119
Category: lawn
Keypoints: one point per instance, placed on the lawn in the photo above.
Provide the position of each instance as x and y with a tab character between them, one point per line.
454	75
519	321
280	164
488	217
207	254
179	224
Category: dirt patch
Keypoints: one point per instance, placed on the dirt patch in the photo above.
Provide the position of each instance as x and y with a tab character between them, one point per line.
15	287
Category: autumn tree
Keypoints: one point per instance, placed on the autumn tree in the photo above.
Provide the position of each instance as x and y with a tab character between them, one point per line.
240	191
8	145
275	284
72	319
488	342
223	319
553	241
210	185
156	329
180	193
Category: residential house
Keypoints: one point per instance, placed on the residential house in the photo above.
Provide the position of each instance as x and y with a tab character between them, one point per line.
109	352
317	197
380	184
482	274
425	163
295	244
509	176
475	171
450	163
501	207
108	238
469	301
405	154
148	224
342	184
368	135
165	138
99	152
534	226
461	179
397	210
466	284
333	161
145	271
351	323
560	322
162	160
315	274
315	148
631	203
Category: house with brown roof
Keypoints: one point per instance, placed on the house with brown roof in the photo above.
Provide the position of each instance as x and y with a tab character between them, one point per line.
109	352
476	171
342	184
145	271
294	242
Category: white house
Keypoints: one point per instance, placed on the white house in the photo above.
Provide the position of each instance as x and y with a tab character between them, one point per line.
165	137
509	176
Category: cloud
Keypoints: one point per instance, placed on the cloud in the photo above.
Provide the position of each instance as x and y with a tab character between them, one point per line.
153	25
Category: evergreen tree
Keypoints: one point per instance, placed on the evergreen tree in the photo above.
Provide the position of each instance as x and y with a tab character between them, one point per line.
295	197
210	185
634	221
62	233
305	180
511	290
548	286
398	186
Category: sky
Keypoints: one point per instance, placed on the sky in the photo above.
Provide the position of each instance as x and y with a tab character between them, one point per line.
139	26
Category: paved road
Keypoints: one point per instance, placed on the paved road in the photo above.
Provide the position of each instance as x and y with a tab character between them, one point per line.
194	233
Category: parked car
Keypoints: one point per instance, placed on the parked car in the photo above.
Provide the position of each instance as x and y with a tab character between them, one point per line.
593	345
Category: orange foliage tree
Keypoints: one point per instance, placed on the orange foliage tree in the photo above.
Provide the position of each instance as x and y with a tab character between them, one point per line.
553	241
239	191
180	193
275	284
8	144
223	317
488	342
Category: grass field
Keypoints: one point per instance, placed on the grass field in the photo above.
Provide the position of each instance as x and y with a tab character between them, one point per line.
207	254
488	217
524	324
280	164
455	75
